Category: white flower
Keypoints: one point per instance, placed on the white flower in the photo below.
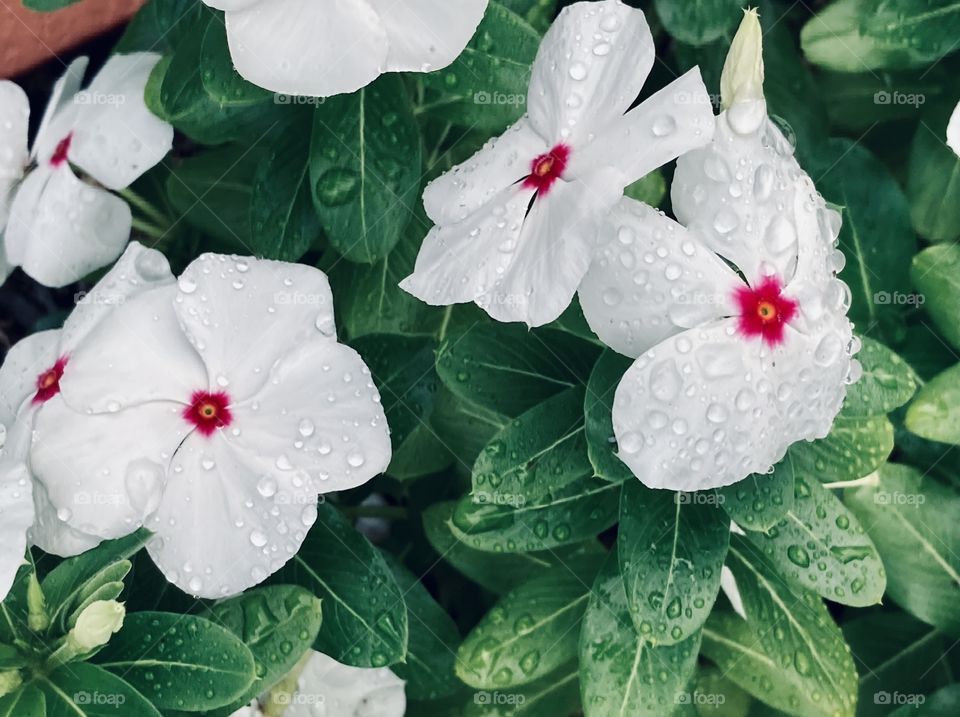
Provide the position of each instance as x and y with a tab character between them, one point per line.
31	379
326	687
61	227
732	367
516	225
97	623
953	131
215	409
305	47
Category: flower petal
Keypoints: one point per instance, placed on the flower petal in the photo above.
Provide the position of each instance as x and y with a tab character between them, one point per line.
318	413
243	314
501	163
140	354
14	117
16	516
427	35
590	68
652	279
953	131
105	473
738	194
224	523
553	252
707	407
60	98
230	4
61	229
301	48
460	262
373	692
21	367
51	534
115	137
675	120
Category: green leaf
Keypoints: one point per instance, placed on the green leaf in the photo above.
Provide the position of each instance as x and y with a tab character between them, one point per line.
933	184
558	693
84	690
942	703
855	447
182	662
530	632
936	274
793	627
935	412
283	222
857	35
481	363
671	548
27	701
434	639
650	189
915	523
760	501
159	26
47	5
821	546
598	410
403	370
621	673
697	22
368	297
541	451
486	86
497	572
887	383
220	79
365	168
278	624
464	427
364	614
876	237
578	511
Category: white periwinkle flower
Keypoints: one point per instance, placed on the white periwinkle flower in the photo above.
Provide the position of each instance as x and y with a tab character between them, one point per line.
516	225
31	379
953	131
732	367
326	688
305	47
213	409
96	624
61	227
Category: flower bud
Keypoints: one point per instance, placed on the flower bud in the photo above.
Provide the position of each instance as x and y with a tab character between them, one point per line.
742	77
37	617
98	621
9	681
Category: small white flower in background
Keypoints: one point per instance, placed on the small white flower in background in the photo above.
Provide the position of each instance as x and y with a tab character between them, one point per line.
31	378
732	368
61	227
326	688
953	131
215	408
516	225
302	47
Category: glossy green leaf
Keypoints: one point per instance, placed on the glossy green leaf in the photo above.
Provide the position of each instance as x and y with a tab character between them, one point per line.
933	183
28	701
598	410
936	274
697	22
84	690
671	548
760	500
217	73
887	383
935	412
854	447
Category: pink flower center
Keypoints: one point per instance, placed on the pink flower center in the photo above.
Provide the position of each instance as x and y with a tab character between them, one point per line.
48	383
208	411
765	311
547	169
60	153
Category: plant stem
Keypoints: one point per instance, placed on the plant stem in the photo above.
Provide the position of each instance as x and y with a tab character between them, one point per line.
146	208
872	479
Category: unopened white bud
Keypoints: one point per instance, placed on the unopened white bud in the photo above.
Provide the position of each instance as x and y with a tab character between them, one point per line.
742	77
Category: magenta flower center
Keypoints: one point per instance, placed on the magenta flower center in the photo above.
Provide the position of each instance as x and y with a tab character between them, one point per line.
547	169
765	311
60	152
208	411
48	382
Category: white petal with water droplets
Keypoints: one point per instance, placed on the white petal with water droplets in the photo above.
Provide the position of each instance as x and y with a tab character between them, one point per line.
60	228
59	110
16	515
652	279
226	521
953	131
319	414
24	363
590	68
52	534
243	314
14	116
346	691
